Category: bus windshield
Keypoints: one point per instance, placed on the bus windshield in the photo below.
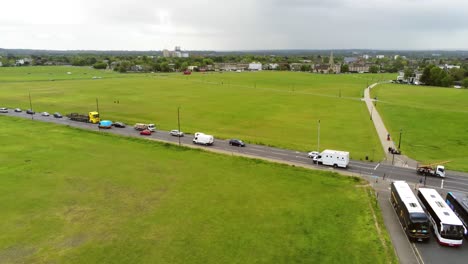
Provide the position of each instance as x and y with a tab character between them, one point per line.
452	231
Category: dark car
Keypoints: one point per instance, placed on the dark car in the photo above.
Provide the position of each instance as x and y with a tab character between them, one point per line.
30	112
236	142
118	124
57	115
145	132
18	110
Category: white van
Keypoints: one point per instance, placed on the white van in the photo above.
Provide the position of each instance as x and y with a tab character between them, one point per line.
203	139
333	158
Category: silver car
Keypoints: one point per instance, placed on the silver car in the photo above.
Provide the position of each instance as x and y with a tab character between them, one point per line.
45	114
3	110
176	133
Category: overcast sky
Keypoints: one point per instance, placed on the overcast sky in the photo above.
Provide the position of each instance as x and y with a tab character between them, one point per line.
234	24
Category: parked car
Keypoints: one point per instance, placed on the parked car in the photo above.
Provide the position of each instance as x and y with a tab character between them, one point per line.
57	115
18	110
45	114
236	142
30	112
119	124
145	132
313	154
176	133
3	110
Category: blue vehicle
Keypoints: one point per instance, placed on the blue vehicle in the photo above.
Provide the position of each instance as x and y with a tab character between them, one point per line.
105	124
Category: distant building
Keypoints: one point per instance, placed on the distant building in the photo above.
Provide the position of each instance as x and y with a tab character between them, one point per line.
358	67
348	60
136	68
365	56
380	56
1	64
271	66
447	67
255	66
231	66
295	66
177	53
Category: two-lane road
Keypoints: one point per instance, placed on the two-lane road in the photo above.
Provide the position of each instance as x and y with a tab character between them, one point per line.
454	181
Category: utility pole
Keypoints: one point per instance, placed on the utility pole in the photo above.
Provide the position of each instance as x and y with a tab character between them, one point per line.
372	109
178	122
399	141
30	106
97	110
318	139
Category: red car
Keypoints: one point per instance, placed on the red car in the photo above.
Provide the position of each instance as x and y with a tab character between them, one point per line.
145	132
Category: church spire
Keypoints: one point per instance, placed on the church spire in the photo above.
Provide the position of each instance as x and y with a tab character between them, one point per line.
331	62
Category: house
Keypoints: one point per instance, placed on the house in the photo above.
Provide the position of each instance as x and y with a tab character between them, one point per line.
358	67
295	66
380	56
348	60
231	66
365	56
192	68
255	66
271	66
321	68
136	68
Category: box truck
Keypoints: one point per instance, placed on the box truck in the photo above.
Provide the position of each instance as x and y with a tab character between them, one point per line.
333	158
203	139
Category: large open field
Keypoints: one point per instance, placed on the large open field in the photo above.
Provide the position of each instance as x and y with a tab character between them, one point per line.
73	196
434	122
272	108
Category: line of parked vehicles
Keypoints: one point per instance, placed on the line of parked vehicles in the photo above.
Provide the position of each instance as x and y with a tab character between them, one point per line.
144	129
333	158
29	112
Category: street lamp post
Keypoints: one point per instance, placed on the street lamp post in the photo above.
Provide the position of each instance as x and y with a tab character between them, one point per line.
178	122
372	109
318	135
30	106
399	141
97	110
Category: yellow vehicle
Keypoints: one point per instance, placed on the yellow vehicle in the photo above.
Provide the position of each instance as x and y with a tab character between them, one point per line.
92	117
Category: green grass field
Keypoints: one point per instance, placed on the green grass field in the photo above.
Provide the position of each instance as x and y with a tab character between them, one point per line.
433	120
74	196
271	108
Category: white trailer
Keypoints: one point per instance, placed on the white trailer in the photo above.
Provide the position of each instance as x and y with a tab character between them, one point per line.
203	139
333	158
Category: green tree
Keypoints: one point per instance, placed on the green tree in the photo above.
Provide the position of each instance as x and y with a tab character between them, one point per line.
184	66
465	82
457	74
408	73
305	67
344	68
165	67
374	69
100	65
